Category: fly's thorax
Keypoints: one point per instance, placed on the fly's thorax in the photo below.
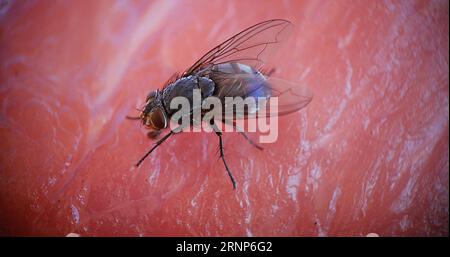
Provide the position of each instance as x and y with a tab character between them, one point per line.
184	87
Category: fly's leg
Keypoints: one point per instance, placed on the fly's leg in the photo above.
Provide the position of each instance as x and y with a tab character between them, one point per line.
133	118
222	155
153	134
241	131
251	141
159	142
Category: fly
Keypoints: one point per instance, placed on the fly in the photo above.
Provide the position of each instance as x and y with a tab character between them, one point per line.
233	68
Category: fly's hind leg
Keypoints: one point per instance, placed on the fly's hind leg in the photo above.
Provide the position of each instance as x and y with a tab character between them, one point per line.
251	141
222	154
241	131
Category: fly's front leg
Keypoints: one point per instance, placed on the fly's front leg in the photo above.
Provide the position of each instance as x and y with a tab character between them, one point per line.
154	147
158	143
153	134
222	154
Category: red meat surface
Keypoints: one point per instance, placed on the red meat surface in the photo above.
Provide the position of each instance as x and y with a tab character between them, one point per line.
369	154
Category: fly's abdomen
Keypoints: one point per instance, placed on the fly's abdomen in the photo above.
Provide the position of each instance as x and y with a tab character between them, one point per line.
239	80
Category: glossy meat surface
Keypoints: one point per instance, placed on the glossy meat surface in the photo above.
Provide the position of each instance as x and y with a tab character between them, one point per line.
369	154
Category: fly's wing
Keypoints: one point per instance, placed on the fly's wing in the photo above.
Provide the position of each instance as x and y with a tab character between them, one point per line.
246	93
252	46
290	97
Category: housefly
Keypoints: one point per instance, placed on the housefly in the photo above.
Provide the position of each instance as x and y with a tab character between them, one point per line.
233	68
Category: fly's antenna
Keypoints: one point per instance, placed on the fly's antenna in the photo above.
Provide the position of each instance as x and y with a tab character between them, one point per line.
133	118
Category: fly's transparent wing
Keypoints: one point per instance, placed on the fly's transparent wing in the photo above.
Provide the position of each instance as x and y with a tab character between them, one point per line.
252	46
290	96
245	92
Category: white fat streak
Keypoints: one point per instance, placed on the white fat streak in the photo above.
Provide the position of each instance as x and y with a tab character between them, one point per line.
246	196
420	150
75	214
405	198
335	117
404	223
313	177
370	184
332	207
293	185
333	201
348	82
345	41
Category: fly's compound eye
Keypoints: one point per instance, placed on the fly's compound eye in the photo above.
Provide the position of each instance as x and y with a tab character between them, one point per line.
158	119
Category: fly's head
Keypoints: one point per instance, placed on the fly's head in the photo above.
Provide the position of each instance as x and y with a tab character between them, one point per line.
153	116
